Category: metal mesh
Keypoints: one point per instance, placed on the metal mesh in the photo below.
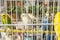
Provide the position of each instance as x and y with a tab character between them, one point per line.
31	19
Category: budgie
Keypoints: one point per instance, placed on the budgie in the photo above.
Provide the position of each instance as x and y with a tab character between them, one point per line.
5	36
27	19
57	24
6	19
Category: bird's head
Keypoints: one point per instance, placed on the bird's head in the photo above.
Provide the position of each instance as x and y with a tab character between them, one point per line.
3	15
23	15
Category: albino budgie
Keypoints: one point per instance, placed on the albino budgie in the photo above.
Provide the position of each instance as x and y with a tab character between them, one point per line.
27	19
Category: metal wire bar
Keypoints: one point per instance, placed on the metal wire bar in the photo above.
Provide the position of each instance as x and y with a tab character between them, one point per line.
32	20
42	19
37	15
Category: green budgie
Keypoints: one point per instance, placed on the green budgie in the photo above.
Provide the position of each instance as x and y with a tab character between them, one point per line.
6	19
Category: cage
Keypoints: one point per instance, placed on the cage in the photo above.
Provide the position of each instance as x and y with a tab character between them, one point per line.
28	19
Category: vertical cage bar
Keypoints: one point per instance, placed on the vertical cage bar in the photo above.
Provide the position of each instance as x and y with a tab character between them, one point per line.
11	16
1	17
42	19
32	21
16	11
37	15
6	16
58	6
21	13
27	17
52	20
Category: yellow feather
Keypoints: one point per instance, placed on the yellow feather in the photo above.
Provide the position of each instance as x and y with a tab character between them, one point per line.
57	24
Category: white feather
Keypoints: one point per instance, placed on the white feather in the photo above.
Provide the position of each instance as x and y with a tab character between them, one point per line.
27	19
31	16
5	36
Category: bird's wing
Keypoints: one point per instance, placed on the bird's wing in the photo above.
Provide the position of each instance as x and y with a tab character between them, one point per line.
9	20
4	21
31	16
57	23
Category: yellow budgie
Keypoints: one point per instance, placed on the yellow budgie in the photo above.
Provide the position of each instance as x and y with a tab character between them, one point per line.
57	24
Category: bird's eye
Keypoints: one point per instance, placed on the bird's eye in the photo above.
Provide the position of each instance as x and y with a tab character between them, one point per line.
3	15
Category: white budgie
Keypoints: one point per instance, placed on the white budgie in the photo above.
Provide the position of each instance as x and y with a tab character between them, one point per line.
27	19
5	36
